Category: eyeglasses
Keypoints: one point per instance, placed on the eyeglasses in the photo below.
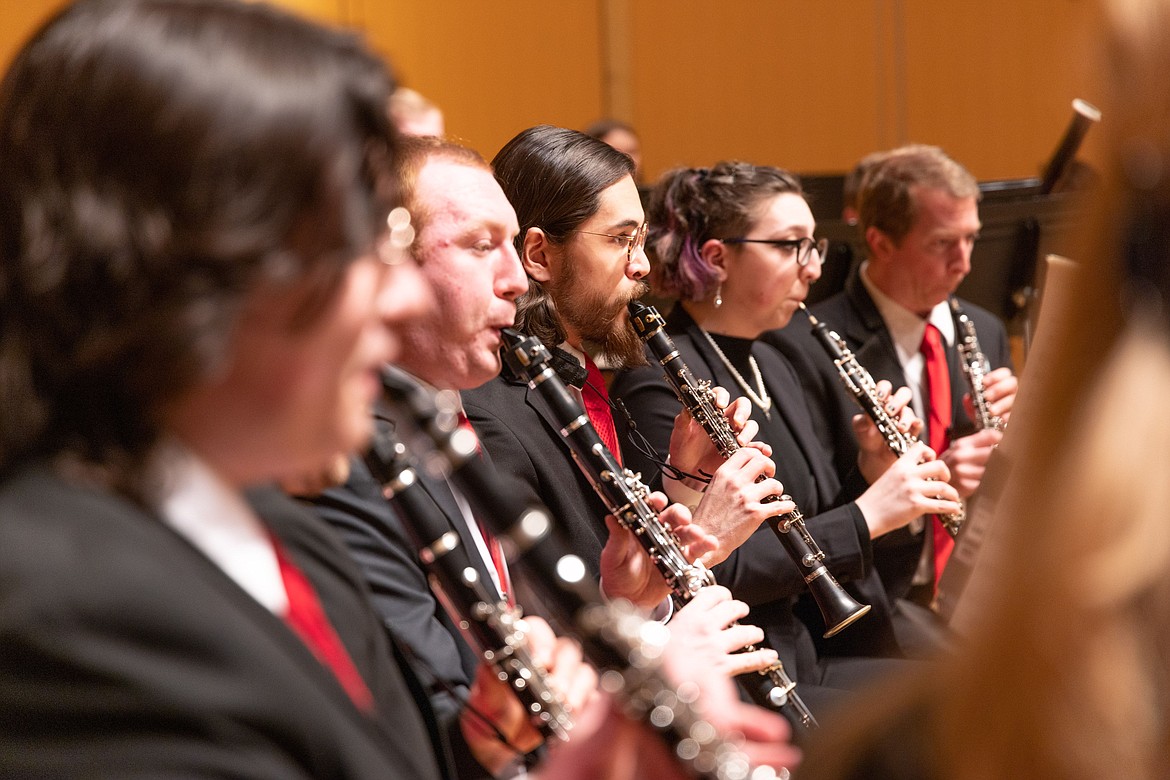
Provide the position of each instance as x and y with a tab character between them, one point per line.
803	247
633	243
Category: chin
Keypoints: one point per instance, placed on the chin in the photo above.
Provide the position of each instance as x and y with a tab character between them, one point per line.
479	369
355	431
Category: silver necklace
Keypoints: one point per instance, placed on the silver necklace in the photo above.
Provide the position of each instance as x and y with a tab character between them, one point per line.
762	399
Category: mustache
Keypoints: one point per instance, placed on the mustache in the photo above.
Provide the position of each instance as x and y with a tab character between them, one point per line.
641	289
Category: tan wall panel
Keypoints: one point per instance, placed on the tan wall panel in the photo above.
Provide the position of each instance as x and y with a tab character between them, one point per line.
807	85
992	82
494	68
781	82
329	11
813	86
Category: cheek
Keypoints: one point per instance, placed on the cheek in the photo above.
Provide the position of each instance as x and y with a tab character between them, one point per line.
460	306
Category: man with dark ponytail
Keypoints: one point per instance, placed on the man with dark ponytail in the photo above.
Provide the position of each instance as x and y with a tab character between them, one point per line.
582	232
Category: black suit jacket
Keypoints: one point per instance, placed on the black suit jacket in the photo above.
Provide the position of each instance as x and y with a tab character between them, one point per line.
126	652
760	572
854	316
418	624
520	434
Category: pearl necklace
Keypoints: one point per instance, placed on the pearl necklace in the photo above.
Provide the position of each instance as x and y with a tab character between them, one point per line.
762	399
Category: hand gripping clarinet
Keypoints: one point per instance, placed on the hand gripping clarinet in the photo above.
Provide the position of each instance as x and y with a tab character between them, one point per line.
975	367
861	386
625	496
624	647
838	608
495	628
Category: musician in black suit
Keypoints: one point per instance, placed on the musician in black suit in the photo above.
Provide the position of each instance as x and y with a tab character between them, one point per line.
919	214
581	245
463	244
735	243
195	284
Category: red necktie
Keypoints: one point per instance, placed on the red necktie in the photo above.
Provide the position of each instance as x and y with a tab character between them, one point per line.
307	618
596	400
499	562
938	420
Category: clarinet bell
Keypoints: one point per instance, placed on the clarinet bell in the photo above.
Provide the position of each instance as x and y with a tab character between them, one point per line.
838	608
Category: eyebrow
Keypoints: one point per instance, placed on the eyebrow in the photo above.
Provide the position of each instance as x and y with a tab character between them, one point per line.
796	232
626	223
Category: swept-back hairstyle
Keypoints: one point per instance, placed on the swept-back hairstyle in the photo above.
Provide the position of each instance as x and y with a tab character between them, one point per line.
885	197
160	160
691	205
554	178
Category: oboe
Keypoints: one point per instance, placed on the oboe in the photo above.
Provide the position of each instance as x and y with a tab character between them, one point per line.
837	607
861	386
495	628
975	368
625	495
614	637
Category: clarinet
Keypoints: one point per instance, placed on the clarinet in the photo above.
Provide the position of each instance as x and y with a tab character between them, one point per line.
861	386
975	367
838	608
625	495
495	628
614	637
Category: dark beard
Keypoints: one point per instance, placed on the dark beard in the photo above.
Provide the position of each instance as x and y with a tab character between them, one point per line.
603	323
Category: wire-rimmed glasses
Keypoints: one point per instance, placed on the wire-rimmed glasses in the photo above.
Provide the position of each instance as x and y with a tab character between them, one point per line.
634	242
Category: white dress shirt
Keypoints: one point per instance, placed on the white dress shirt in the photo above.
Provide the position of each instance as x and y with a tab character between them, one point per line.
217	520
906	329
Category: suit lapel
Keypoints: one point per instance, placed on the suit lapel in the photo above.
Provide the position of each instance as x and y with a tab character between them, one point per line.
785	391
788	400
536	401
874	348
440	493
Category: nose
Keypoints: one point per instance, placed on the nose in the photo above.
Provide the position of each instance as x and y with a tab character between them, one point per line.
638	265
812	269
511	281
966	247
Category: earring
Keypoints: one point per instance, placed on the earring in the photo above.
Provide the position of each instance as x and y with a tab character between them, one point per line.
719	295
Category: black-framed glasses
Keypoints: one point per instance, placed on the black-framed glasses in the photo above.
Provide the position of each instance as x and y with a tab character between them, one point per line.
633	241
803	247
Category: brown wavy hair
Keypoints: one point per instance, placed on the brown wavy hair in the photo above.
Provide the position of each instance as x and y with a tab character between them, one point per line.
160	160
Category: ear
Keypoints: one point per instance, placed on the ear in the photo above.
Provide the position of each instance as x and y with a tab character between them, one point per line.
880	245
714	253
536	255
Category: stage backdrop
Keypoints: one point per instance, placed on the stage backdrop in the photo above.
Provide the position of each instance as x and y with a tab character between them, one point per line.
810	86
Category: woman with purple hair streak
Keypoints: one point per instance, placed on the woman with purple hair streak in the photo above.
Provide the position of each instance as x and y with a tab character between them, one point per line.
735	243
